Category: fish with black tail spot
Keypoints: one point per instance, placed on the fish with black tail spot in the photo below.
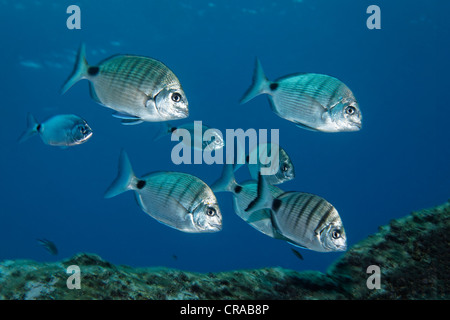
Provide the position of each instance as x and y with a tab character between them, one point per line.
312	101
178	200
243	195
138	88
303	219
62	130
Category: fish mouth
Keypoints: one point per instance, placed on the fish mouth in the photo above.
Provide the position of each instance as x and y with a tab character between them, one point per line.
356	126
88	135
215	227
85	137
183	113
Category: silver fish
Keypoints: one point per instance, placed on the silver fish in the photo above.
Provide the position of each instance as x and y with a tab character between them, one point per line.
285	170
303	219
312	101
243	195
61	130
138	88
215	143
178	200
49	246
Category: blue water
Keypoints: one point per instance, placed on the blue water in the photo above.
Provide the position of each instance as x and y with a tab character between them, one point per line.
398	162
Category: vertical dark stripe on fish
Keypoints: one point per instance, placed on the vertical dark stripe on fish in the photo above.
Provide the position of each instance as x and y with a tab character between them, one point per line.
312	213
116	70
323	219
186	188
175	184
131	68
141	75
287	208
194	200
336	91
307	84
299	197
303	208
318	90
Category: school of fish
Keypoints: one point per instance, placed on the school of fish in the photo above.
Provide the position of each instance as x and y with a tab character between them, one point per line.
142	89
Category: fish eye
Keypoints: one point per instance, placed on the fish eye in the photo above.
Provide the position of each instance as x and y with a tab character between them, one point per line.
285	167
336	234
350	110
176	97
210	211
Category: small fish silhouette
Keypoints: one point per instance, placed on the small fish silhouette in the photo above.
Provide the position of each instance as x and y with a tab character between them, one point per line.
297	254
49	246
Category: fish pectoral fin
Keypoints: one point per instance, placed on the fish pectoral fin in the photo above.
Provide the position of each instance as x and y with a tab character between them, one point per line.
303	126
127	122
124	115
297	245
127	119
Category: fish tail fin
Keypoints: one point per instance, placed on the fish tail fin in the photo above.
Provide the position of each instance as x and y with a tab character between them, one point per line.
264	199
259	84
31	130
227	182
79	71
240	160
166	128
125	176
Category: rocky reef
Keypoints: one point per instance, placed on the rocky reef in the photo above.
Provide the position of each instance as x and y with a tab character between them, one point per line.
412	253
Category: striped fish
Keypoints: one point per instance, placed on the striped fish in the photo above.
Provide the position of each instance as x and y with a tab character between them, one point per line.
305	220
138	88
312	101
176	199
243	195
285	171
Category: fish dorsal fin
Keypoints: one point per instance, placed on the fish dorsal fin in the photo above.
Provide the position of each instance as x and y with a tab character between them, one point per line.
296	245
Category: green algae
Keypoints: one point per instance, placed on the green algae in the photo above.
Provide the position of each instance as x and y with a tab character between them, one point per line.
412	253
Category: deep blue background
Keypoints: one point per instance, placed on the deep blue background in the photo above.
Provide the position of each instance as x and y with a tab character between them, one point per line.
398	162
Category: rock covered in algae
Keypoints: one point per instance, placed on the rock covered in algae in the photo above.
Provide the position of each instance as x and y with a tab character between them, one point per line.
412	254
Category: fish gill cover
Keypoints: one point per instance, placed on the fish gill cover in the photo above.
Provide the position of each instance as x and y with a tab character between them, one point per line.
396	163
